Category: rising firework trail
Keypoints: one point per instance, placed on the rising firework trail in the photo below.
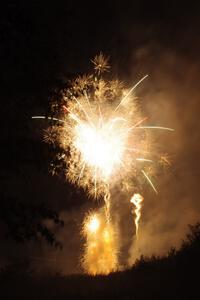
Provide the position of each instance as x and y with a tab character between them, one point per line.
103	142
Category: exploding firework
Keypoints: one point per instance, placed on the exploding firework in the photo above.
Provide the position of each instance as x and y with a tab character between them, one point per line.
104	142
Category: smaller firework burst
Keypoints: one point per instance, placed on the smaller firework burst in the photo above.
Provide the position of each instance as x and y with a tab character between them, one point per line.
50	135
101	64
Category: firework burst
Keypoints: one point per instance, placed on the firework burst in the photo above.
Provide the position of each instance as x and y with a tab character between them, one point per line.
105	142
100	251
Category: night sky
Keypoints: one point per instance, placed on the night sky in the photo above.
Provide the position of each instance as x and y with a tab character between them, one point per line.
43	44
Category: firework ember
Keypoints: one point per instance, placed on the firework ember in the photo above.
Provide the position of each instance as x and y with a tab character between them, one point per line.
104	142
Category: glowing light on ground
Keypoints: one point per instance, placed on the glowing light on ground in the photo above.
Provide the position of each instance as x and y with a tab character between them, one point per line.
100	252
93	224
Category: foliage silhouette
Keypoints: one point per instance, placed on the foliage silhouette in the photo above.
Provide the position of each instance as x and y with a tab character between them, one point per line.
173	276
25	221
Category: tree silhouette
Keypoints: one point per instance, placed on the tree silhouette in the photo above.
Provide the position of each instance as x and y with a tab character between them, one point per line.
169	277
25	222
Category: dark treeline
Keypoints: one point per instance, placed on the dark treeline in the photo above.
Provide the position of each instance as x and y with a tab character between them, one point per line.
174	276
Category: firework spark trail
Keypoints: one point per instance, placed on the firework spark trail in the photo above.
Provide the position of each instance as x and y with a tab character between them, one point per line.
107	197
81	173
149	181
155	127
144	159
131	90
48	118
88	101
85	112
102	147
137	201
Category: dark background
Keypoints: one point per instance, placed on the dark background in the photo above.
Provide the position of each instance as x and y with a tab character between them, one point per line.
45	43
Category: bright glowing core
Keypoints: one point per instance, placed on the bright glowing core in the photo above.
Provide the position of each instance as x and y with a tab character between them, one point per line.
100	147
93	224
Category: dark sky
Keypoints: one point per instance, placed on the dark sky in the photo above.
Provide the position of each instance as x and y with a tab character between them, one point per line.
42	45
